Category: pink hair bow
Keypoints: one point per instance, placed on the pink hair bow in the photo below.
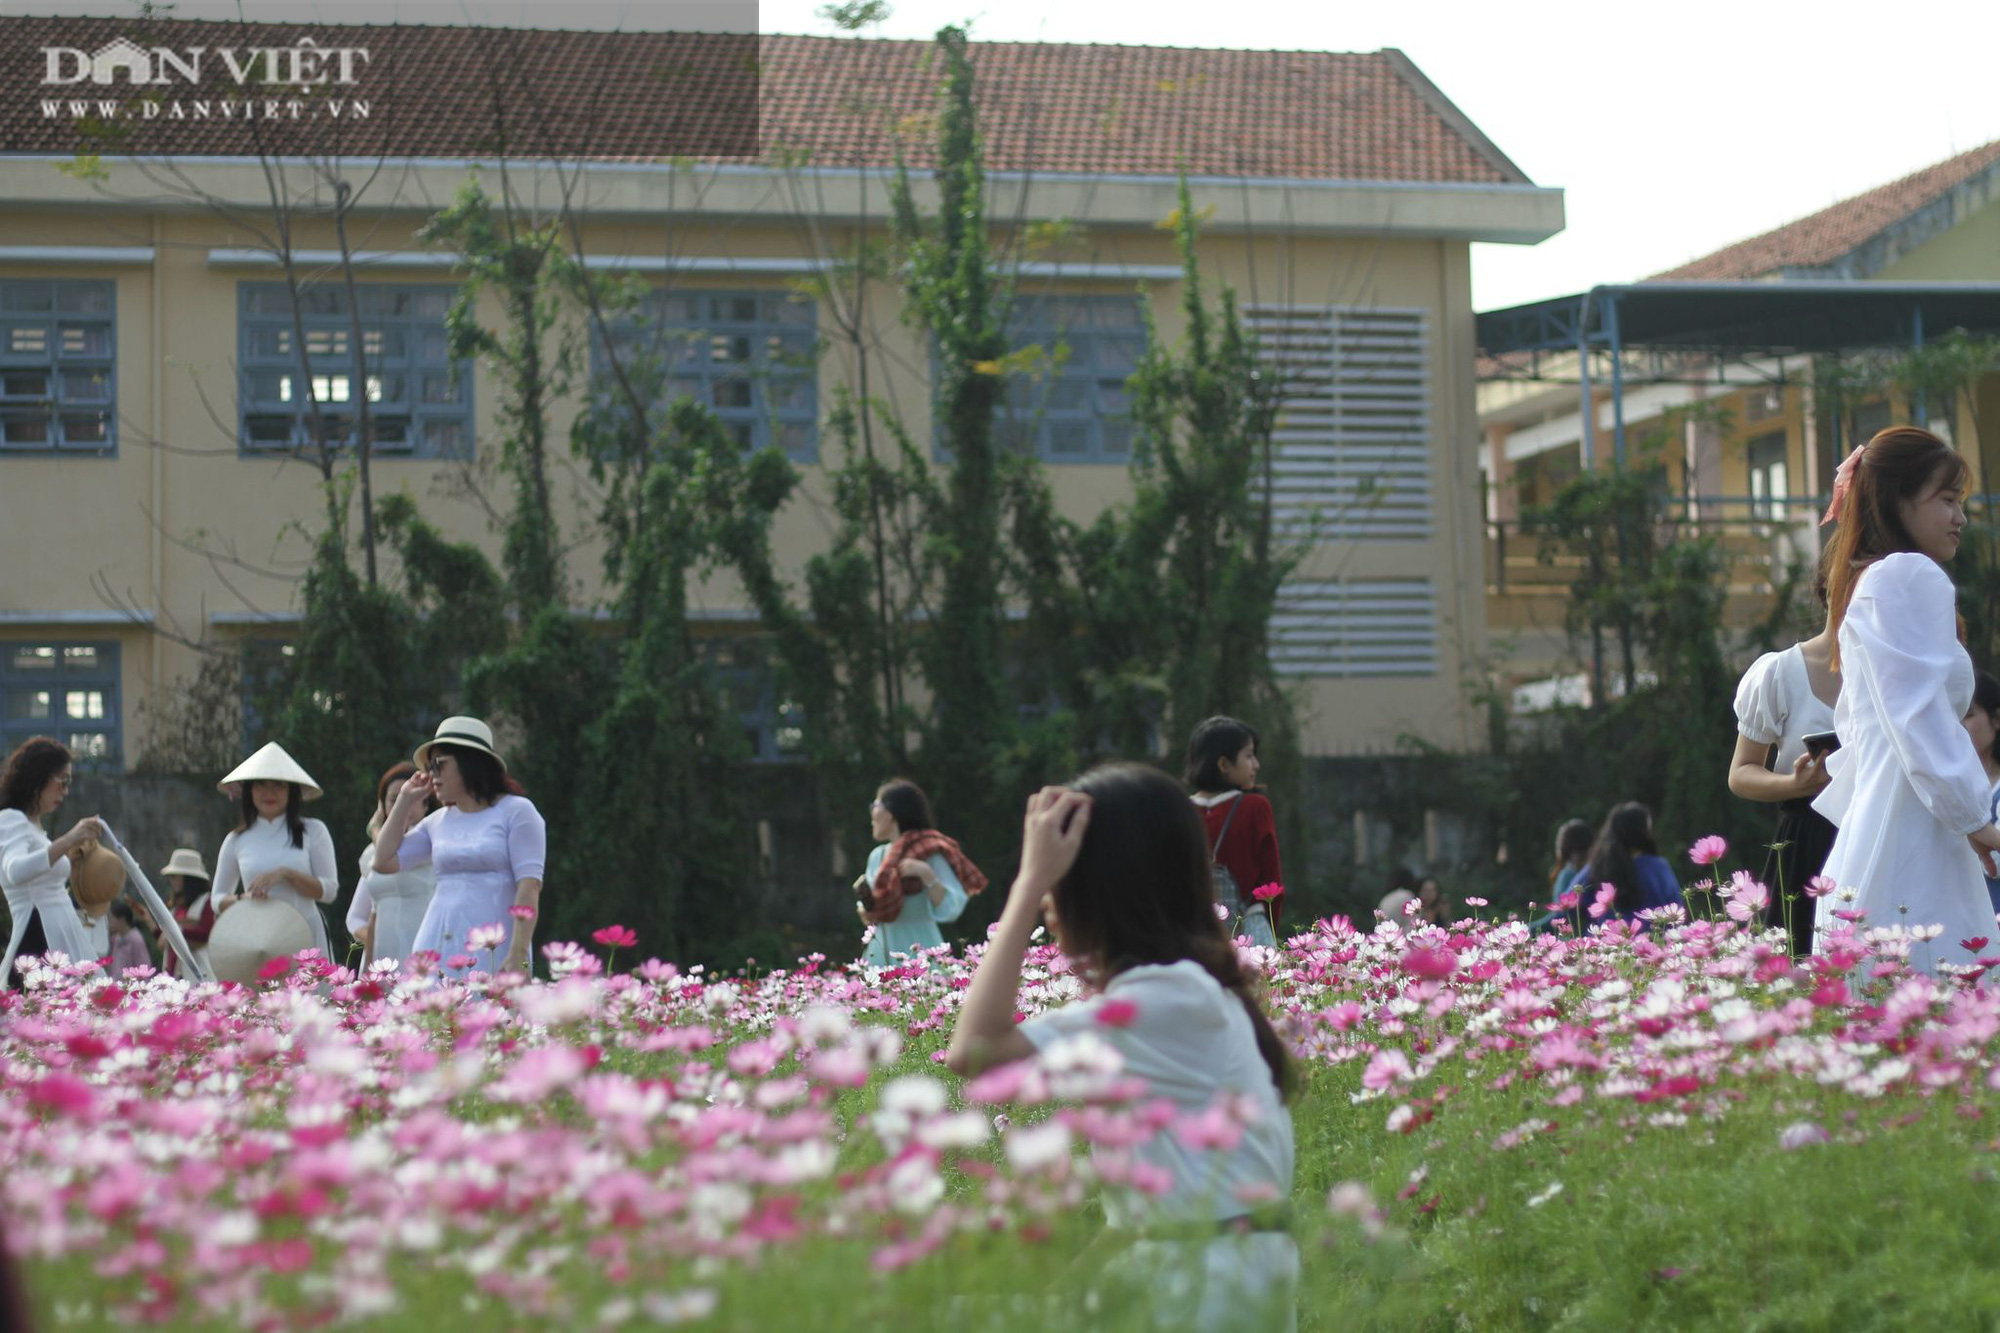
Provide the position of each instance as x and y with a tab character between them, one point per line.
1843	481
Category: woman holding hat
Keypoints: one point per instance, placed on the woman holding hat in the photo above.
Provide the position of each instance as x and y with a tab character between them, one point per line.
488	844
388	909
34	869
187	886
275	853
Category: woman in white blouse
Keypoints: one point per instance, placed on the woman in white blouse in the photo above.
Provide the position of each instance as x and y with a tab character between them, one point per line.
1908	793
34	869
1783	698
275	852
489	844
388	909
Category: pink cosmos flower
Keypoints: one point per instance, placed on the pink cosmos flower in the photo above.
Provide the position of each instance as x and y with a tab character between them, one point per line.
1747	898
615	937
1263	893
274	969
1605	901
1707	851
1432	964
521	912
1819	886
1802	1134
481	938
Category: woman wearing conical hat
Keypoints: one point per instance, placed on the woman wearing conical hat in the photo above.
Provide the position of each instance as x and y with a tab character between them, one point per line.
488	843
275	853
188	886
35	869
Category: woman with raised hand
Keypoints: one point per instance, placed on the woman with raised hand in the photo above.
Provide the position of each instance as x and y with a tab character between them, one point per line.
487	842
388	910
1909	795
276	853
1119	863
34	868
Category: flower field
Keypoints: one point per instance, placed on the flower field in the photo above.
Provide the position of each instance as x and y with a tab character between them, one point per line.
1668	1128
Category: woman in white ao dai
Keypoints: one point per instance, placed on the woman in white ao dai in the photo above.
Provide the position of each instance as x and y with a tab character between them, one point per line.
1909	796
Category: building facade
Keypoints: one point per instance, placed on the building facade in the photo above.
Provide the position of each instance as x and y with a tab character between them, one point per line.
152	495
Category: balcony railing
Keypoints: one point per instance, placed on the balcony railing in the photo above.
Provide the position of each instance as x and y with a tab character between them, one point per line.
1761	538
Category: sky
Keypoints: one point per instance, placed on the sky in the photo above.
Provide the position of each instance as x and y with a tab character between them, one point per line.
1673	130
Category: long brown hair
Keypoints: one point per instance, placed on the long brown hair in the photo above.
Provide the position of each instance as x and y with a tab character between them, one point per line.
28	770
1141	892
1898	464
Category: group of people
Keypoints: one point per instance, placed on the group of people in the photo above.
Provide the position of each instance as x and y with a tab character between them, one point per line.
1876	738
453	866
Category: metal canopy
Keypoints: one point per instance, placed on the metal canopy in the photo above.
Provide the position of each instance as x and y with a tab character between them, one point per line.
1731	319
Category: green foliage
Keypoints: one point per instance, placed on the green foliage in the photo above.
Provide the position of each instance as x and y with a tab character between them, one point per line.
951	292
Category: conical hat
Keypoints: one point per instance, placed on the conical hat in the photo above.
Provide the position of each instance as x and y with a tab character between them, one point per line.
98	876
252	933
270	764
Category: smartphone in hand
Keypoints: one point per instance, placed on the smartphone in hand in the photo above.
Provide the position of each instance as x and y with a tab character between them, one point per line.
1819	744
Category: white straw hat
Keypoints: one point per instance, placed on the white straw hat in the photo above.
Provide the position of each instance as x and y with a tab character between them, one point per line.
467	732
270	764
185	861
253	932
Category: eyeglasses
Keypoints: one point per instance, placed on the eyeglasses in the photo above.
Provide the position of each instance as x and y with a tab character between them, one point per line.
876	805
437	763
63	781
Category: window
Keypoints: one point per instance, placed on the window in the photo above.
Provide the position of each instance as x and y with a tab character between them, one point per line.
56	366
1769	489
1073	407
773	727
749	357
65	690
419	400
261	668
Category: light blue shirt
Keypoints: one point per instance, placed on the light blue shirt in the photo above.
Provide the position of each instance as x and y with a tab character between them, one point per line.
917	927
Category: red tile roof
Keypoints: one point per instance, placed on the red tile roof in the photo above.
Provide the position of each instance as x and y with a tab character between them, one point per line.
1825	237
1046	107
1308	115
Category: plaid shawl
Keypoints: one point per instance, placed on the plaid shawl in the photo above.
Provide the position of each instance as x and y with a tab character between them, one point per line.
884	901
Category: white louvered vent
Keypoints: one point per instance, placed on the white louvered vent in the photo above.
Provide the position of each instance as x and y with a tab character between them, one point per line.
1353	432
1381	627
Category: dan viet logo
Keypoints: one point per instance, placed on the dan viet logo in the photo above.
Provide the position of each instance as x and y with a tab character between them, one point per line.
271	82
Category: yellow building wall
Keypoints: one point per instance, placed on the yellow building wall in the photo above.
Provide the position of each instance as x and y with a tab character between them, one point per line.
191	530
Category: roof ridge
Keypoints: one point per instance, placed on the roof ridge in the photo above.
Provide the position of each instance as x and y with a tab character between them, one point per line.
1448	111
1985	157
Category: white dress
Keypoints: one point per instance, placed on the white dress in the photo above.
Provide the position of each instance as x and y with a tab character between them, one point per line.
397	902
1775	705
1907	784
267	845
35	888
480	859
1190	1040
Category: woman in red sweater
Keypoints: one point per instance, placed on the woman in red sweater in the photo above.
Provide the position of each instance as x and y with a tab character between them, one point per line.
1242	834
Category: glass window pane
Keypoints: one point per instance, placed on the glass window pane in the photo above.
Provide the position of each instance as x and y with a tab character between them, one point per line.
32	657
731	393
269	342
381	300
28	340
24	427
79	658
84	705
432	349
24	384
89	745
1068	439
267	430
86	386
795	438
86	340
86	427
28	298
445	437
27	705
83	298
326	342
728	348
